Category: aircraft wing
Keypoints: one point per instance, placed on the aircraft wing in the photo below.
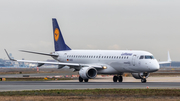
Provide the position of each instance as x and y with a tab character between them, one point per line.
52	63
72	65
164	62
168	61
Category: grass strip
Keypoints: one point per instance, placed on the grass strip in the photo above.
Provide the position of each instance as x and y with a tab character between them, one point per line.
96	92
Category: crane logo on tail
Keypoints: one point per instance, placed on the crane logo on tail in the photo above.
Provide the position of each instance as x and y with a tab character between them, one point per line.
56	34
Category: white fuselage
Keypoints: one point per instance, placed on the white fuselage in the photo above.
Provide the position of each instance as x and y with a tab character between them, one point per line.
117	62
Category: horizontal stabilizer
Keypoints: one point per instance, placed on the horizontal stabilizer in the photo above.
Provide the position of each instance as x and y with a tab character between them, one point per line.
53	55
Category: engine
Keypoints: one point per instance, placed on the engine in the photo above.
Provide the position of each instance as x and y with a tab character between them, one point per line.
88	72
140	75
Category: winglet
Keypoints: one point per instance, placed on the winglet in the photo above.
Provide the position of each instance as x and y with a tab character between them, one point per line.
9	56
168	61
169	58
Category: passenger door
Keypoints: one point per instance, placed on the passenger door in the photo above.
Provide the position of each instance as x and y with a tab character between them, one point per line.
134	60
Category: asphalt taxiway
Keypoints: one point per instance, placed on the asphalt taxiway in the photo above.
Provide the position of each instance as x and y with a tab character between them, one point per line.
41	85
99	83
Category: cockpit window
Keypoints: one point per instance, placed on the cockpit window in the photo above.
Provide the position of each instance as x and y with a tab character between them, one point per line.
146	57
149	57
141	57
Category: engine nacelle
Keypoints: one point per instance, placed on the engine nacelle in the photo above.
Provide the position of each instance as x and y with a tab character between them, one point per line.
88	72
140	75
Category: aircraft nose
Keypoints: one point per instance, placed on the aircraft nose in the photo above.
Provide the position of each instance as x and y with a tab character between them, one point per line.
155	66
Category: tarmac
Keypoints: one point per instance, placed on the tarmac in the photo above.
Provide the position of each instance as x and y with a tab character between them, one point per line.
33	75
98	83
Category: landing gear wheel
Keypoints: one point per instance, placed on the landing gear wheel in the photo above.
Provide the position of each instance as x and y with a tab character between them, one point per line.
120	79
86	80
80	79
143	80
115	78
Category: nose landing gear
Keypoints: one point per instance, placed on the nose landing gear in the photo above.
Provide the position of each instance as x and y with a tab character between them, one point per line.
118	78
143	80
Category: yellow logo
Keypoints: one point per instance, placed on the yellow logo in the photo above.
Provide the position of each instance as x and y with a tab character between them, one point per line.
56	34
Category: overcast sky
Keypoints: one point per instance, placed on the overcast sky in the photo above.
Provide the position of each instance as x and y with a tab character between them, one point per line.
150	25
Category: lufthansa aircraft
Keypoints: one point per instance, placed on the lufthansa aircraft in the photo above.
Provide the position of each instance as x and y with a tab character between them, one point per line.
89	63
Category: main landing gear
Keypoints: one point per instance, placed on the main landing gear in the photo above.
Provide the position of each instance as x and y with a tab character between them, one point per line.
81	79
118	78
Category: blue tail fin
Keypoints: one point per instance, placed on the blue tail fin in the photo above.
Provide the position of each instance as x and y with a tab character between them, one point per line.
59	43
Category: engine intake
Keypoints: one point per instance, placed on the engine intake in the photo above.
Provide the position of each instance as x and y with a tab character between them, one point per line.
88	72
140	75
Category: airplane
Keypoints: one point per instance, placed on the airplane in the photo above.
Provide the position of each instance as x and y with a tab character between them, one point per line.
90	63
